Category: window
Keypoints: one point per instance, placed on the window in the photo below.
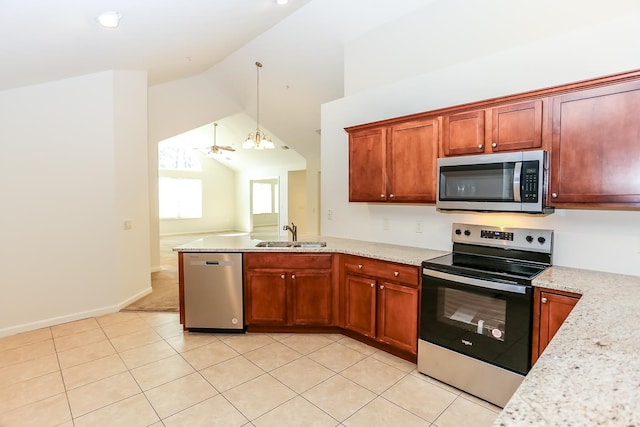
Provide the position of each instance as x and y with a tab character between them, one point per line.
179	185
173	155
180	198
265	197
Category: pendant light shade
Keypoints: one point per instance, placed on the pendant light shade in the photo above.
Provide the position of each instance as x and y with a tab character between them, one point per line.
258	140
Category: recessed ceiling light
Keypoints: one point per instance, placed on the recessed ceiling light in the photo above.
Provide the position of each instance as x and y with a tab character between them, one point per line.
282	2
109	19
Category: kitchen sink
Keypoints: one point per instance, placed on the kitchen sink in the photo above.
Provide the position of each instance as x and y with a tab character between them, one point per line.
274	244
282	244
309	244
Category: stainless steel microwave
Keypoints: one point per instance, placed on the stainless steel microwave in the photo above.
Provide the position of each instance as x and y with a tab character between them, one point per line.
503	182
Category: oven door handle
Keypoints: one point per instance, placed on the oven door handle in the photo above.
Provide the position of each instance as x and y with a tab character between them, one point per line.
499	286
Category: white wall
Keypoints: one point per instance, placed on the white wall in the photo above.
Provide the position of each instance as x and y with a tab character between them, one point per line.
599	240
65	147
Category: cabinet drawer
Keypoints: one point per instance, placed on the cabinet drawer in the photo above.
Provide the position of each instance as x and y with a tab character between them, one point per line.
383	270
282	260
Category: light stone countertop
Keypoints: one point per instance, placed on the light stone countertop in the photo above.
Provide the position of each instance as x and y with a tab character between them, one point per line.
589	375
383	251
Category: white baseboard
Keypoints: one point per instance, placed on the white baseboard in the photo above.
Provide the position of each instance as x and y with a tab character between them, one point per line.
135	297
156	269
53	321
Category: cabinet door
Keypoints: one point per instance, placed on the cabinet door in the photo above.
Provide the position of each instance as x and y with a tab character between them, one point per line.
595	155
266	298
398	316
311	297
463	133
360	305
412	151
552	310
367	165
517	126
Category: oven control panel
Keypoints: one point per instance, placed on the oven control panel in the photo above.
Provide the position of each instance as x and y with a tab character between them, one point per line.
529	239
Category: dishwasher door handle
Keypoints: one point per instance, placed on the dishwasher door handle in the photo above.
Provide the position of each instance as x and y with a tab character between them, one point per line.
212	263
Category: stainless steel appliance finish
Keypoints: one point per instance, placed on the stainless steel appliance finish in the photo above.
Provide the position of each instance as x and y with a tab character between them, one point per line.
476	307
503	182
474	376
213	292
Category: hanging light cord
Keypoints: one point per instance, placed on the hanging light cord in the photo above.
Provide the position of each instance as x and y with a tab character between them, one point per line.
258	66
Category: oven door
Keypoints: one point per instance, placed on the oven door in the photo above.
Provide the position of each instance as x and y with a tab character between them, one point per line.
486	320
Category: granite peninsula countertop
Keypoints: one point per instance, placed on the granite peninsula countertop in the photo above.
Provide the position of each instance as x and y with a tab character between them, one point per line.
383	251
589	374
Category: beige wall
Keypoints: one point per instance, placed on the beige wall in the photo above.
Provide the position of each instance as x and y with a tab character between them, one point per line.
298	200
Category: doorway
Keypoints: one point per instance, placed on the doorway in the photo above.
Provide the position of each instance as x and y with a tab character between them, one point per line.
264	206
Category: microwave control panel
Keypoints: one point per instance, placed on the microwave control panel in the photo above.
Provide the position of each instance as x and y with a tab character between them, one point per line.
529	184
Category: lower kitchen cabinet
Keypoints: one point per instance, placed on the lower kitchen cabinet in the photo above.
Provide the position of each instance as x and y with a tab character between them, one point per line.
381	301
550	310
284	289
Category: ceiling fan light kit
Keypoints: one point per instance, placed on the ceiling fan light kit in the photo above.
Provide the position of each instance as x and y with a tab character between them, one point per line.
258	140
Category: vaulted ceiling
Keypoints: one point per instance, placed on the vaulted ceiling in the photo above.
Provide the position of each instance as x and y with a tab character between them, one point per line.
301	45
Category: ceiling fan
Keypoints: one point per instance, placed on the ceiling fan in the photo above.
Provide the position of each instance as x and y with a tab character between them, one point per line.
215	148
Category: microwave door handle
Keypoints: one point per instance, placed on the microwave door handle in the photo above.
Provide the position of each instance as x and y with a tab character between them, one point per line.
517	175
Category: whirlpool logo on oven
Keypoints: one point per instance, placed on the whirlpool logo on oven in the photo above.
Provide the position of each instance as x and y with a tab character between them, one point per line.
466	342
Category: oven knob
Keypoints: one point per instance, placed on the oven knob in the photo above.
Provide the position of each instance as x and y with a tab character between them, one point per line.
529	239
467	233
458	231
541	240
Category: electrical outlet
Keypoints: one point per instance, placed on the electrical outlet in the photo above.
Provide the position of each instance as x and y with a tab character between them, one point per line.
419	227
385	224
329	214
127	224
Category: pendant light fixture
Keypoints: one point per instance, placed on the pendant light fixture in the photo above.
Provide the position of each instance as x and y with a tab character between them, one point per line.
258	140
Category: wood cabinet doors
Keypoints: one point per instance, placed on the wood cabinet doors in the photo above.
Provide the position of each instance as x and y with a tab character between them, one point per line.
550	309
367	160
395	163
411	162
398	316
509	127
360	305
596	146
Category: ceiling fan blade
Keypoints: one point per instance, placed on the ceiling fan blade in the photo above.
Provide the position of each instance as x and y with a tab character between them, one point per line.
226	147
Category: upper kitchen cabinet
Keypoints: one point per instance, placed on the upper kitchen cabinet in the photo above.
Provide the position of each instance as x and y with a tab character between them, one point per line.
394	163
596	147
508	127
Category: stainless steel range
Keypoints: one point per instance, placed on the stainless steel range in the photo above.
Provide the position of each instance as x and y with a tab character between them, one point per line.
475	324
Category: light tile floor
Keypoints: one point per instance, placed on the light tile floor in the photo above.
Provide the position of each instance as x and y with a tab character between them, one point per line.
140	369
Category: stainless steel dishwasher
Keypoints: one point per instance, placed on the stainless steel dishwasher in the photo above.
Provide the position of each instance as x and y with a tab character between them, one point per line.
213	292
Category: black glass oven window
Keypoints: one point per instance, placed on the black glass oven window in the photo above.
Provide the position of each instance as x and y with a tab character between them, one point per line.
488	182
481	314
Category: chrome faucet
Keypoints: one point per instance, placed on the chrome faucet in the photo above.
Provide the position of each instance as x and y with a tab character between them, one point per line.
294	231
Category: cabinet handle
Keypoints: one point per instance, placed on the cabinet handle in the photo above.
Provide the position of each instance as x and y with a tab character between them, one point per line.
382	196
494	145
391	196
293	276
479	146
396	273
543	300
360	266
554	195
381	287
373	285
282	276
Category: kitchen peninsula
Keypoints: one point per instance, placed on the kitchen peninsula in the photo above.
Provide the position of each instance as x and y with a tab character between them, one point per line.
590	372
